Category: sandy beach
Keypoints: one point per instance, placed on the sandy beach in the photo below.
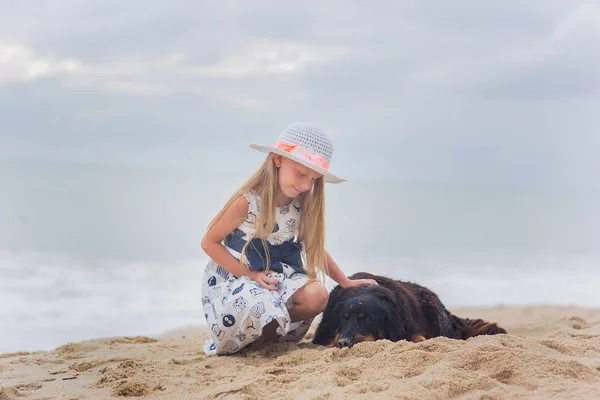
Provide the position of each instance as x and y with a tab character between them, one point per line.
550	352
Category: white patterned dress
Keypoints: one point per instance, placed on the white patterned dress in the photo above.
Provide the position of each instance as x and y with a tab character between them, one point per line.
237	309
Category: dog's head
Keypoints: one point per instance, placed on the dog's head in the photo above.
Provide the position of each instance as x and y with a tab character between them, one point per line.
358	314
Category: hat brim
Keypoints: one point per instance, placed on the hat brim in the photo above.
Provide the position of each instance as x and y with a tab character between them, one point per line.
327	176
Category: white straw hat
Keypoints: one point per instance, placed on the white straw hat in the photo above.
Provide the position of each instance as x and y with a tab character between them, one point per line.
307	144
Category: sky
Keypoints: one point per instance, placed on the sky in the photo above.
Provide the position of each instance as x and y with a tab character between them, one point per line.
471	92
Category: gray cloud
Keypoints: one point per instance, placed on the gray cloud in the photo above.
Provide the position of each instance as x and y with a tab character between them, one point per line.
462	92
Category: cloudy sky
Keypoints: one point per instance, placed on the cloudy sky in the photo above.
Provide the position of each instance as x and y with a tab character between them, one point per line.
504	92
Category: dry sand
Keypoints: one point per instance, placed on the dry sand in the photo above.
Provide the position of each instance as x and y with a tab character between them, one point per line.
550	352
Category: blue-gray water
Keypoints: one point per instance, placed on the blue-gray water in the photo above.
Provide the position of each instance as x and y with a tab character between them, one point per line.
89	252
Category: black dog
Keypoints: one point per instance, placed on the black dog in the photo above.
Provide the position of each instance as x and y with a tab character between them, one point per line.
393	310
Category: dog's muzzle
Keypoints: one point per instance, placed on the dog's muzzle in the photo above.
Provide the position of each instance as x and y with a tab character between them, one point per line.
344	342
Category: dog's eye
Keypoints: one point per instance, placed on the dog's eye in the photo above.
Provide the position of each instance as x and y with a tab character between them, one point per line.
361	315
346	315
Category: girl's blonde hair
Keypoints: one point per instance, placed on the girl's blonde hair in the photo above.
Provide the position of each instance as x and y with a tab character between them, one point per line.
311	233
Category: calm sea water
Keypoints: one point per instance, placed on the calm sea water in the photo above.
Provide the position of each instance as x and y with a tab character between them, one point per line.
90	252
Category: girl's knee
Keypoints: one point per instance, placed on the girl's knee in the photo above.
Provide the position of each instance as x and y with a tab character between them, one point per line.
314	294
321	295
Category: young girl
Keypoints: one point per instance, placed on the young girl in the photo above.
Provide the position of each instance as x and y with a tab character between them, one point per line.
266	247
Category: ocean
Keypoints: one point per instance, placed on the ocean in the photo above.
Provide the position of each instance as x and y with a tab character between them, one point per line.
91	251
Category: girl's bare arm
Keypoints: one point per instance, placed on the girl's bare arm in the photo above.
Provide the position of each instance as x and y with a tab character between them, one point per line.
338	275
232	217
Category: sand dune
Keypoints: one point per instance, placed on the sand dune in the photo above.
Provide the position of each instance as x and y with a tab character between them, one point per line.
550	352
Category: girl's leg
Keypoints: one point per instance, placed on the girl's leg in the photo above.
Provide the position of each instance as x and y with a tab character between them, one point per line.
309	301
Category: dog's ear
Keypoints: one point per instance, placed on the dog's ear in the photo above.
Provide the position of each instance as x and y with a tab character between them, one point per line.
325	332
394	328
393	324
327	328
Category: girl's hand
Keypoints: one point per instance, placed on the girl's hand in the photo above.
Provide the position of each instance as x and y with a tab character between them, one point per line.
263	280
358	282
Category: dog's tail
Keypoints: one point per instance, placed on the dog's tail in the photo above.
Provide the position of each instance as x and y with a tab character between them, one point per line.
466	328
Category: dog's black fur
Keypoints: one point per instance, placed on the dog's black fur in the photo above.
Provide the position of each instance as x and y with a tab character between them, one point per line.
393	310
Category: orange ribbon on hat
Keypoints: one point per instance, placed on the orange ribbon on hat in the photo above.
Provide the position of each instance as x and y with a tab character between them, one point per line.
316	158
288	148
